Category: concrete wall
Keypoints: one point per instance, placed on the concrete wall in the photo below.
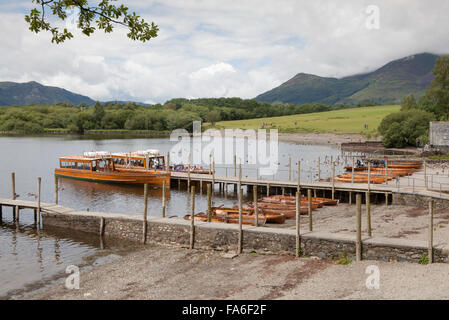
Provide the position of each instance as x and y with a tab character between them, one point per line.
439	134
224	237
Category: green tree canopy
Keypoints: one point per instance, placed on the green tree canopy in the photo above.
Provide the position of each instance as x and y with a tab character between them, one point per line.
104	15
437	93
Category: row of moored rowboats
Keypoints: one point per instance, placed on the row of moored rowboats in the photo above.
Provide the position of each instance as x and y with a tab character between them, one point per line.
273	209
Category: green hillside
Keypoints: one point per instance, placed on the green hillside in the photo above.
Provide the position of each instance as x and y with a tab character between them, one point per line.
12	93
387	84
339	121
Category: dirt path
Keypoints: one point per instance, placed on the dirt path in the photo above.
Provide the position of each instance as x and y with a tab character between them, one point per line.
176	273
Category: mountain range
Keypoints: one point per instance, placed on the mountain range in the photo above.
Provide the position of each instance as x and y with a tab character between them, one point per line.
389	83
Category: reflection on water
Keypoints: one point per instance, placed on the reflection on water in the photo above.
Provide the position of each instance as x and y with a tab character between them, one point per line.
29	258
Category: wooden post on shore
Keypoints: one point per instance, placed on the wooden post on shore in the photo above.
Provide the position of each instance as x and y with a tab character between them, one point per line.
192	218
256	206
358	240
352	171
289	168
368	212
39	180
240	244
209	203
319	169
13	185
201	186
56	190
145	210
333	180
309	207
102	226
268	189
350	197
298	224
430	250
163	199
298	188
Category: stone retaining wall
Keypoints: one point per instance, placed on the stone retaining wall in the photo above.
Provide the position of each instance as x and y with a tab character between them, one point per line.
224	237
416	200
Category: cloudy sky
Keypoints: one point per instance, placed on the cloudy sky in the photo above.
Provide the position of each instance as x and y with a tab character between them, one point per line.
218	48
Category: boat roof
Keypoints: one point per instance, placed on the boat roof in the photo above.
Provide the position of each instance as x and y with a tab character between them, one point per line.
79	158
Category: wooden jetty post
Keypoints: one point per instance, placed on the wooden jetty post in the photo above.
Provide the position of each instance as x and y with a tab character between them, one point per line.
38	223
368	212
240	244
358	240
425	174
209	203
386	199
56	190
430	250
298	224
201	186
369	176
13	185
145	210
350	197
256	206
333	180
319	169
192	218
268	189
289	168
298	188
102	226
163	199
386	172
309	205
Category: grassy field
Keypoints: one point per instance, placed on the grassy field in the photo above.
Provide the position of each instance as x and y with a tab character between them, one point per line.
339	121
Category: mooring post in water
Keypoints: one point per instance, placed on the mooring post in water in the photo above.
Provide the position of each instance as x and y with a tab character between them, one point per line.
319	169
430	250
256	206
39	180
289	168
240	244
368	212
17	214
188	174
298	187
163	199
425	174
309	207
358	240
192	218
209	203
298	224
145	210
56	190
13	185
235	166
1	213
333	180
168	162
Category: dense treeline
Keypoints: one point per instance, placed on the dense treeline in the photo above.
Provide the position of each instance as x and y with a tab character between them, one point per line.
410	126
176	113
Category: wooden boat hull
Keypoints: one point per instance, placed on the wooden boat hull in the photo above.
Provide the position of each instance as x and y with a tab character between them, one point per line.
153	178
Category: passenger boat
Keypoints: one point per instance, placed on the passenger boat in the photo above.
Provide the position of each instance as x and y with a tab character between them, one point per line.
141	167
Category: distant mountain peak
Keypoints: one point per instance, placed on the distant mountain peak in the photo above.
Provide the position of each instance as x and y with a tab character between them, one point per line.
32	92
389	83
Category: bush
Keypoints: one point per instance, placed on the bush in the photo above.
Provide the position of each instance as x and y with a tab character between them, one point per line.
401	129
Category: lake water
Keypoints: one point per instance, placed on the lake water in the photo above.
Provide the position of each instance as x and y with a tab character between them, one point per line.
29	259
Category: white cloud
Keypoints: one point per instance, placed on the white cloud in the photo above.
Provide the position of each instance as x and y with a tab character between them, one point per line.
211	48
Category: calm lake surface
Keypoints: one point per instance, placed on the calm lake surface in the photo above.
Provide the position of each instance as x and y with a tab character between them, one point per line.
29	259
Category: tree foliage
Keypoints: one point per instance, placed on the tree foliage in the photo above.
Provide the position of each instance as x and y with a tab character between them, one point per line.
103	16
